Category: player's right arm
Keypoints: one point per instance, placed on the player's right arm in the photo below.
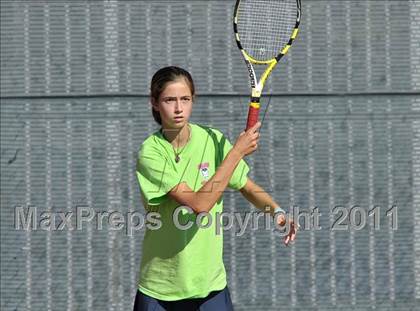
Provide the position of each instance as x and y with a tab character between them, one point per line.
207	196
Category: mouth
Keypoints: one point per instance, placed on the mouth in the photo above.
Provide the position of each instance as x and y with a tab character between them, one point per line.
178	119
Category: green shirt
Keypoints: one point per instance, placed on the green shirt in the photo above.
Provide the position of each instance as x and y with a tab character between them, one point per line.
182	263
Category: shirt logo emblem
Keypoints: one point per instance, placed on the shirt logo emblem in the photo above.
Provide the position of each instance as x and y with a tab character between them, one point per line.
204	170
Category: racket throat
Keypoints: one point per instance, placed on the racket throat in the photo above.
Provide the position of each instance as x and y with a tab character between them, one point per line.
256	93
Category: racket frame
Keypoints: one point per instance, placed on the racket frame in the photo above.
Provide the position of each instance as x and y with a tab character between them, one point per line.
258	86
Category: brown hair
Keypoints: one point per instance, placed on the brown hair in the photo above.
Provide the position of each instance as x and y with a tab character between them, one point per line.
164	76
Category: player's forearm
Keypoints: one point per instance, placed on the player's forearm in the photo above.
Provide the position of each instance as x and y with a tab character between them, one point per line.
260	199
213	189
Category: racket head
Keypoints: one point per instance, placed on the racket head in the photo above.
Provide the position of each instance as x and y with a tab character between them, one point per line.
265	29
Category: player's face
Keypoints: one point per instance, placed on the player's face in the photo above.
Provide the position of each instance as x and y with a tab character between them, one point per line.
175	104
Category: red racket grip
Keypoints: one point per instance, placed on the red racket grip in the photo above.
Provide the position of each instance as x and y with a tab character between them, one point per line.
253	112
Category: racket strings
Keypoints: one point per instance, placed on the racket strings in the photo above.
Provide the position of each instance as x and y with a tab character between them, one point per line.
265	26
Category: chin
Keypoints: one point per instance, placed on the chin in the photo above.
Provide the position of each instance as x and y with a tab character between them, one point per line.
180	124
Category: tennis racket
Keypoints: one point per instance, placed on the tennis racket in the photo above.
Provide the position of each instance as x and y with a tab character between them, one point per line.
264	32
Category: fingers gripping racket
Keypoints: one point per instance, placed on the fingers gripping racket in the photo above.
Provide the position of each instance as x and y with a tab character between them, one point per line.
264	31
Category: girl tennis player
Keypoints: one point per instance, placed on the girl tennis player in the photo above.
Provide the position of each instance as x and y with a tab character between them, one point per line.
183	170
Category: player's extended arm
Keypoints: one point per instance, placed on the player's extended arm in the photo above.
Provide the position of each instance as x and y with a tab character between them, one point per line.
204	199
259	198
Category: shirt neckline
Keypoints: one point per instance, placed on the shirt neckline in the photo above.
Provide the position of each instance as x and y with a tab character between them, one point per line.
186	146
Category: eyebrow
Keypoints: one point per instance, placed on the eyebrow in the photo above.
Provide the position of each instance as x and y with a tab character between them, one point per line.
174	97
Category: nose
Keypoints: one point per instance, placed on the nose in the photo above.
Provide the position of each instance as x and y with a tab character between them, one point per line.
178	106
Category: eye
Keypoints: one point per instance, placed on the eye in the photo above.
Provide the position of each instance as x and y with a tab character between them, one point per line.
169	100
186	99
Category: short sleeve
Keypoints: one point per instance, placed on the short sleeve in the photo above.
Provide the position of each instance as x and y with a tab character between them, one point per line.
155	174
240	175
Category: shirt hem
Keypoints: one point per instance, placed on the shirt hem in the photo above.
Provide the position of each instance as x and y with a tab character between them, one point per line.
173	298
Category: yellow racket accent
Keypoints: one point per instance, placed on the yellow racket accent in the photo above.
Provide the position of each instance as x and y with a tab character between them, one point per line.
255	61
295	32
286	48
255	105
267	72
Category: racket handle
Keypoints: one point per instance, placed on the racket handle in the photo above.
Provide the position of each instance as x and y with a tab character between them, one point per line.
254	110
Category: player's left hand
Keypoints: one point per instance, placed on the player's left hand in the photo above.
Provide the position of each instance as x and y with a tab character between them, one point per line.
293	228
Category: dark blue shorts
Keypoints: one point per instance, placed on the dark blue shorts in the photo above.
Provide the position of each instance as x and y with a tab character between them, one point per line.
215	301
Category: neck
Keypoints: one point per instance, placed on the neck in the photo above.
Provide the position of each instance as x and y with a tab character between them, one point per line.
177	137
